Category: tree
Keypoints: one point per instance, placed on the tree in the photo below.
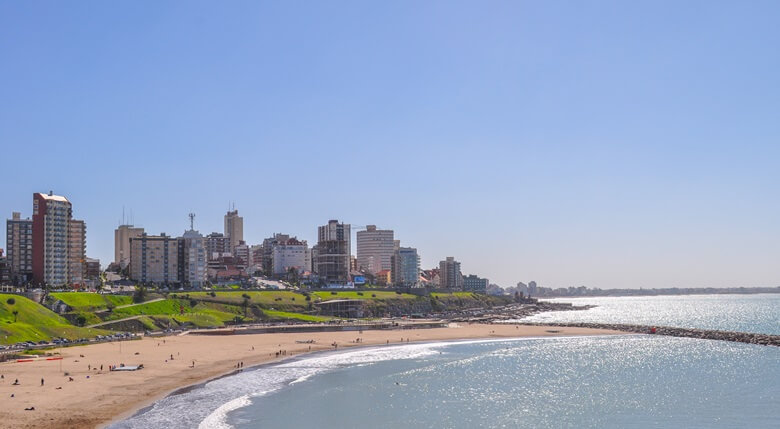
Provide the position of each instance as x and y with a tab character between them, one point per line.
81	320
140	294
16	313
293	276
245	303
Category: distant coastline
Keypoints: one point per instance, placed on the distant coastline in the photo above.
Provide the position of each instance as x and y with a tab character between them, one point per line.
584	292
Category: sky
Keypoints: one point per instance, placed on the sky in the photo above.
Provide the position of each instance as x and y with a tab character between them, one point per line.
599	143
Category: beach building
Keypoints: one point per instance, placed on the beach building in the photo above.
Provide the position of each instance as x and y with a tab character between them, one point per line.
51	216
450	275
122	236
18	241
375	249
154	259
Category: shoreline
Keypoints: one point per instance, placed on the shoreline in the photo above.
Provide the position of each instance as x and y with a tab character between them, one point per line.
98	398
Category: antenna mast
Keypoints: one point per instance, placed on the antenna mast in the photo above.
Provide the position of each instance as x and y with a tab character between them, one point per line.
192	221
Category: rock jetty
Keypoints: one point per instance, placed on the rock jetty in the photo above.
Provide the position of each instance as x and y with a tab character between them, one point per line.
705	334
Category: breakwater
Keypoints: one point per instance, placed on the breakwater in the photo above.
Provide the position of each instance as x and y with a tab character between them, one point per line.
705	334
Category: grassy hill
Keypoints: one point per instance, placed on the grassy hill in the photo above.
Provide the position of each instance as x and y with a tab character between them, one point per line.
35	322
87	301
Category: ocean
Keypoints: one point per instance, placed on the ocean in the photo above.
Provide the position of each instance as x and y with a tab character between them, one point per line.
759	313
624	381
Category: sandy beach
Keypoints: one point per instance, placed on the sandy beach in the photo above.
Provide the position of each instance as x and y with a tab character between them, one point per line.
97	396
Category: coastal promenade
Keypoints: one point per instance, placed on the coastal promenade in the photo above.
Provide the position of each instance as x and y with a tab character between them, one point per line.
97	396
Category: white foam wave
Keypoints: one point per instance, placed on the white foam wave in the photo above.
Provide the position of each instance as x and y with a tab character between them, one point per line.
218	418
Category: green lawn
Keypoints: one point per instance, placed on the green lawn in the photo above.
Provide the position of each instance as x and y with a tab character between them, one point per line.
88	301
453	294
202	315
263	298
284	315
325	296
35	322
166	306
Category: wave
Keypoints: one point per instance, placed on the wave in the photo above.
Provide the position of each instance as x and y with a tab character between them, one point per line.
218	398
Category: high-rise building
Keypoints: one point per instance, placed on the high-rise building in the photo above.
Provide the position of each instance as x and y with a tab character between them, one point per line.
290	253
374	249
333	252
193	259
406	267
450	275
18	241
234	228
51	215
5	270
255	258
241	253
472	283
217	246
77	252
154	259
531	288
122	236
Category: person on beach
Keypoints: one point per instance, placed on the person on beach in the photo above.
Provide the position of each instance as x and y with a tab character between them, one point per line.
41	381
16	382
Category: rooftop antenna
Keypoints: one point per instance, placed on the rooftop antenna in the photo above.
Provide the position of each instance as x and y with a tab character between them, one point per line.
192	221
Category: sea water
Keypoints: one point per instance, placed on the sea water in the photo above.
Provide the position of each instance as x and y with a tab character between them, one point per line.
606	382
742	313
623	381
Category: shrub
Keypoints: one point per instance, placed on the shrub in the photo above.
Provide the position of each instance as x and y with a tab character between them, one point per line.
11	301
213	294
308	298
373	295
360	293
333	293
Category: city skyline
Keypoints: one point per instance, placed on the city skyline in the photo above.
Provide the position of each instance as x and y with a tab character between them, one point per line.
547	142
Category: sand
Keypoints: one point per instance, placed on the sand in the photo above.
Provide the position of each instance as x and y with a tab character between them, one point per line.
97	397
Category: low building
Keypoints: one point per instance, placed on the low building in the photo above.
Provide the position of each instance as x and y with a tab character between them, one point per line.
92	266
472	283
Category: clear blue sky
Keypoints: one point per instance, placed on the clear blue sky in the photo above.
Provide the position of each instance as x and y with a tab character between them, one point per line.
607	144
